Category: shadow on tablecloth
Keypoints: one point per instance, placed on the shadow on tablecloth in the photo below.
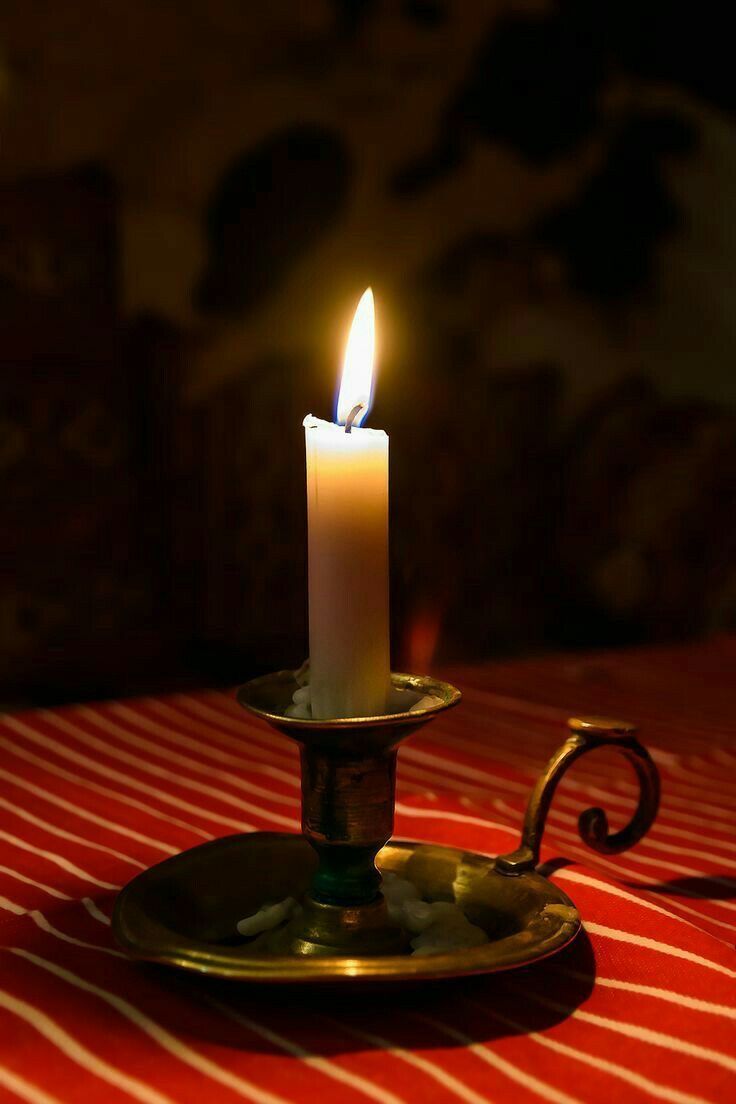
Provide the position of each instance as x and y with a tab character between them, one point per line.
330	1020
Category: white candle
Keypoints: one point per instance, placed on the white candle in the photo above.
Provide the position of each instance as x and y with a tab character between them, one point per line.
347	498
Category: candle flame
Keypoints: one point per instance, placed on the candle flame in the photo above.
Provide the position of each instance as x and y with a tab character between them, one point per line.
356	386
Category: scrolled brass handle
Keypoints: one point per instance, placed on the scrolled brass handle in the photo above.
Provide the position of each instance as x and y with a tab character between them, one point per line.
588	734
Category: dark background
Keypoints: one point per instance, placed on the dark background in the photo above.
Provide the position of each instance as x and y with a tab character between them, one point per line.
193	197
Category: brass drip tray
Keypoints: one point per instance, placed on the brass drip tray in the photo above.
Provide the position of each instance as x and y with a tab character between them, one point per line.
184	911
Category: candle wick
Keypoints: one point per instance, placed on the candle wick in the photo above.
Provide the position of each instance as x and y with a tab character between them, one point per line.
352	416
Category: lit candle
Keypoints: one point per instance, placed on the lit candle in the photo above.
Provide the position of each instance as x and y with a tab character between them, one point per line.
347	498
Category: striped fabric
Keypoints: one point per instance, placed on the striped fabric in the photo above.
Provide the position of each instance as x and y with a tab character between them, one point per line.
641	1007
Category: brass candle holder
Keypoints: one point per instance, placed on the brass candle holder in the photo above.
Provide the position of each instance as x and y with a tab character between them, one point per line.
184	911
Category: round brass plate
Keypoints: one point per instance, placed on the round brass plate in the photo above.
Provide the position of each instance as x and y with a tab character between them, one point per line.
183	912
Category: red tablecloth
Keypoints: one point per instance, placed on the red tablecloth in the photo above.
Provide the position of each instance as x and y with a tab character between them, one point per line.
642	1006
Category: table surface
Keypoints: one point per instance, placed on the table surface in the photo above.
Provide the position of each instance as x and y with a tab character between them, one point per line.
641	1006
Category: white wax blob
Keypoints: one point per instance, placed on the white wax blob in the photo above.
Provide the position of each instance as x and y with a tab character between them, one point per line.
399	701
267	917
437	926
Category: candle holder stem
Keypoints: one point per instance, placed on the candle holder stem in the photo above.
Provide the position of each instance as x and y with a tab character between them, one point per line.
347	817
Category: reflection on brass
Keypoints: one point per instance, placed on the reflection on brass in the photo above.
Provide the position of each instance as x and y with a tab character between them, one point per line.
270	696
587	734
184	911
326	929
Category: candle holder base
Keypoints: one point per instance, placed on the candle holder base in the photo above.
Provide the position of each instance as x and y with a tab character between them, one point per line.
345	930
185	911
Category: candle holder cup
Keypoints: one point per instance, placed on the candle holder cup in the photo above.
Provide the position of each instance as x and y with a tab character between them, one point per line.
184	911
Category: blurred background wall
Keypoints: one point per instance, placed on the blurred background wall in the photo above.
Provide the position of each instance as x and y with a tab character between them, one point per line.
192	198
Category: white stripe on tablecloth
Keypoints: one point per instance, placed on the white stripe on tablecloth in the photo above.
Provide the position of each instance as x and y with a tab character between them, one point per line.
10	906
653	844
154	1031
202	747
277	748
700	917
108	749
78	1053
324	1065
711	776
645	1084
24	1089
37	885
725	793
128	780
665	818
55	830
431	759
457	784
57	860
41	922
674	907
673	800
616	891
442	1077
657	945
719	826
87	902
95	787
462	818
662	822
489	1056
668	995
85	814
95	912
632	1031
96	717
726	790
235	723
622	869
